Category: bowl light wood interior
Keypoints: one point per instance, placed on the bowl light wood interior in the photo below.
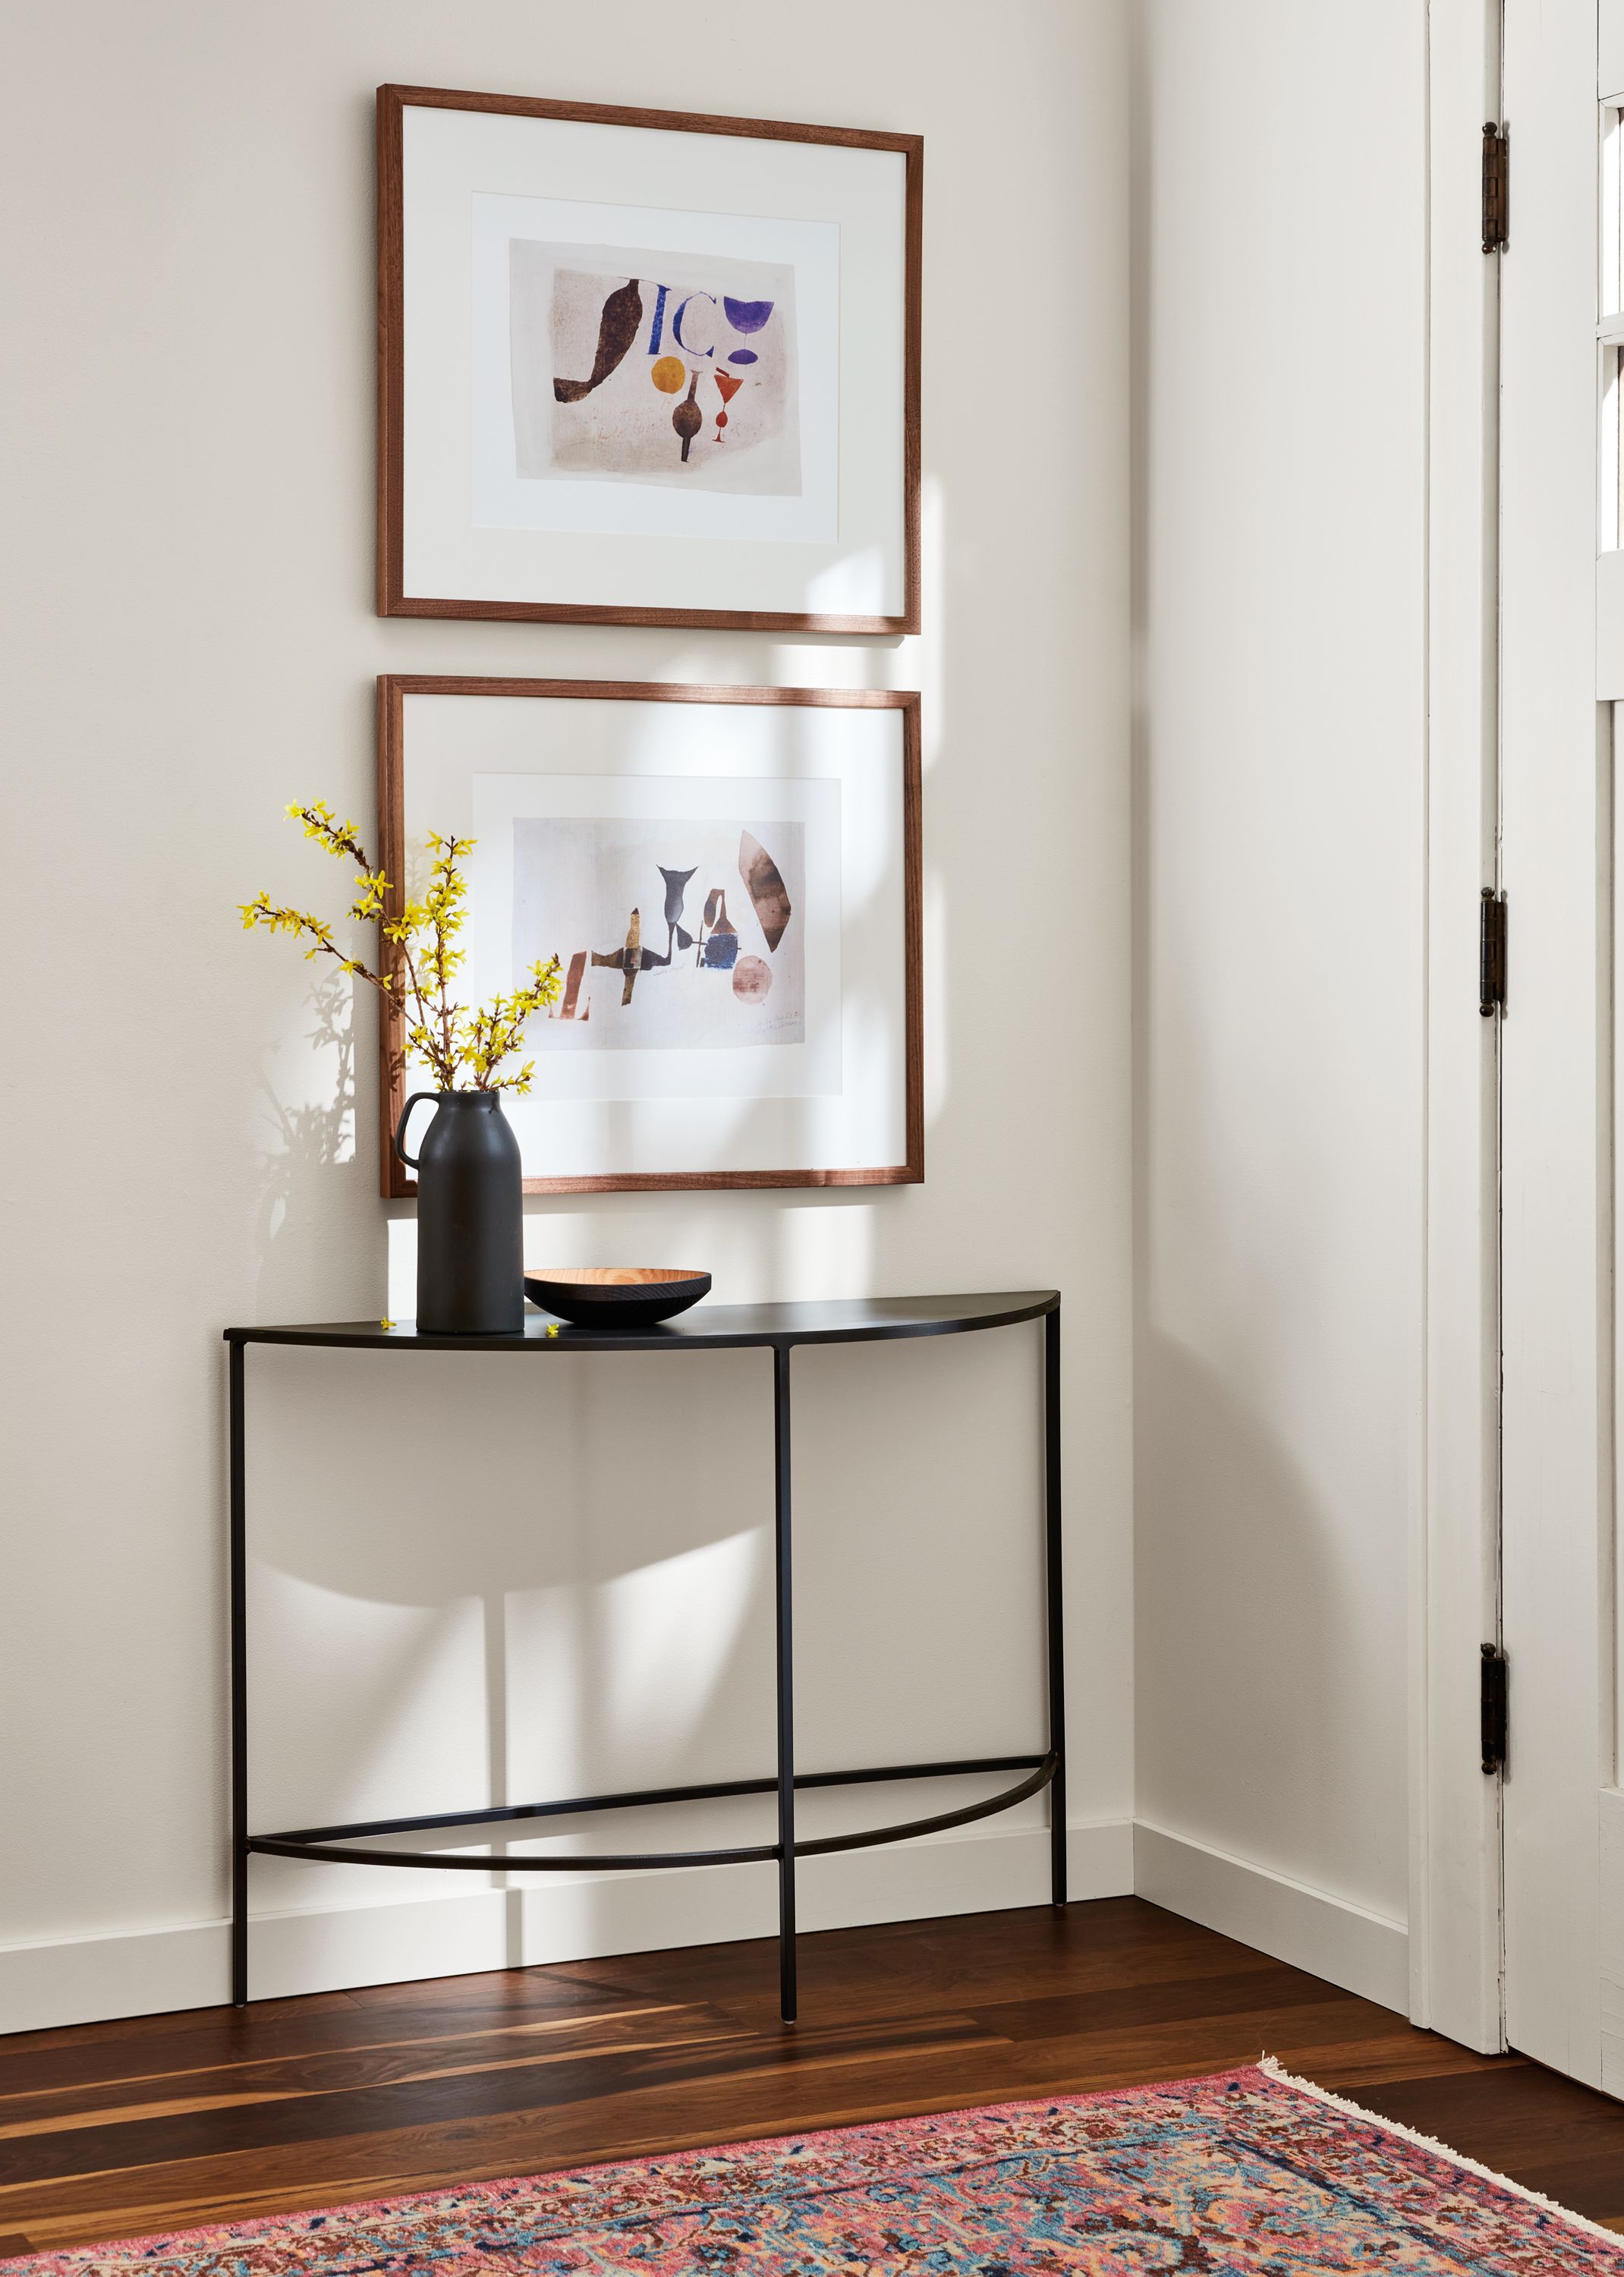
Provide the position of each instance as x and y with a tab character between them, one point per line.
609	1276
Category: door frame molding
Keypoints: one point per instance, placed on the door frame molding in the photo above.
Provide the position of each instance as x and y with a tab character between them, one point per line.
1456	1880
1556	1056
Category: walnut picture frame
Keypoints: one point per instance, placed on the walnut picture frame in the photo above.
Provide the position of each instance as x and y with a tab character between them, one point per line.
731	879
646	367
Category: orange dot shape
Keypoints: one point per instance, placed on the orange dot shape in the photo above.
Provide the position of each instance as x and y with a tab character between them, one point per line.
668	374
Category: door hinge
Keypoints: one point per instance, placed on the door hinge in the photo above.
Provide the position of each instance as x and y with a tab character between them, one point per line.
1491	953
1495	1713
1496	188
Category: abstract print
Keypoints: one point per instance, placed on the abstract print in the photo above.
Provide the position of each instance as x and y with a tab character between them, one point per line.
654	367
670	934
1244	2172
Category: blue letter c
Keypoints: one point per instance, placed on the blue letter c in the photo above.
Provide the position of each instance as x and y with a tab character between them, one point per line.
676	325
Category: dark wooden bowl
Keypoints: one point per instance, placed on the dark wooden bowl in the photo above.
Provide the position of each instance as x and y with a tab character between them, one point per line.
614	1295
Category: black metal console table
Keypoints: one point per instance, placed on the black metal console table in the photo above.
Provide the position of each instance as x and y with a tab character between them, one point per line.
775	1328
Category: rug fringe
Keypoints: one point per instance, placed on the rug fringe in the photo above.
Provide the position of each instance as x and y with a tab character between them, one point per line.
1274	2069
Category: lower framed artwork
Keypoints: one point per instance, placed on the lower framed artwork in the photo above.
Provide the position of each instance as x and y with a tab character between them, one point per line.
729	880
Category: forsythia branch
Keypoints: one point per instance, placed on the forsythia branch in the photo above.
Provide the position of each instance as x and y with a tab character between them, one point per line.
455	1043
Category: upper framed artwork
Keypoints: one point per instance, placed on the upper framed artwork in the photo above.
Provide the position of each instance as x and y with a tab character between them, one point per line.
646	367
729	879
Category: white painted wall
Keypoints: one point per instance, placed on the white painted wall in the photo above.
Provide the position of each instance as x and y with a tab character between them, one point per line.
190	1139
1280	196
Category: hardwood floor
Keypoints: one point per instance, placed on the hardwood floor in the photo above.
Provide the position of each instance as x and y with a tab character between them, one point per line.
207	2115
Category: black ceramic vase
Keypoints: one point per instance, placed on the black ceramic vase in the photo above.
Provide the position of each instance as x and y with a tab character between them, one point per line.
470	1227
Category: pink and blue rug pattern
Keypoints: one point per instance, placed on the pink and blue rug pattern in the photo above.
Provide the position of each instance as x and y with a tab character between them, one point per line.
1246	2172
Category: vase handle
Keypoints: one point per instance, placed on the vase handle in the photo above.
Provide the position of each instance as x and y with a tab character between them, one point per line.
409	1161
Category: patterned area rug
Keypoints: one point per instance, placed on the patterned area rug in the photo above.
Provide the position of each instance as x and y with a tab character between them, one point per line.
1249	2172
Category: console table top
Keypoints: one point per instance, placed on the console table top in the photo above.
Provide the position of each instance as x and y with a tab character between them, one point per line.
855	1320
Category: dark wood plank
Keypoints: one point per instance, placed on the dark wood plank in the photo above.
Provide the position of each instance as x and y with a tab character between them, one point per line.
905	1966
544	2081
367	2063
157	2122
207	2039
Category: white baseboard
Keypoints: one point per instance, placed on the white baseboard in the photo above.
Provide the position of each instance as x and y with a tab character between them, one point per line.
1362	1952
84	1980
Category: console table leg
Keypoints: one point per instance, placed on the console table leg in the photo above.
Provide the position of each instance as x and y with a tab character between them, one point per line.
786	1684
1054	1604
240	1693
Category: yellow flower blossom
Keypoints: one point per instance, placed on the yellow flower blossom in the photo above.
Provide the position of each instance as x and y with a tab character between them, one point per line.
456	1044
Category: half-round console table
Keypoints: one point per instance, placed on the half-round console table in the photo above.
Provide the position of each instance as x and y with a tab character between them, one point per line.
776	1329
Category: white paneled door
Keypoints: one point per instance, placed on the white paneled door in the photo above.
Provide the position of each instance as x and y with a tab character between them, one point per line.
1561	667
